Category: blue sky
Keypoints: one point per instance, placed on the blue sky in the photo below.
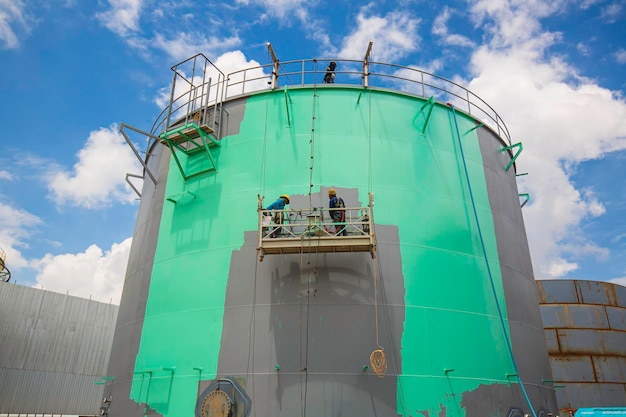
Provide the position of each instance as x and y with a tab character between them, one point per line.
71	71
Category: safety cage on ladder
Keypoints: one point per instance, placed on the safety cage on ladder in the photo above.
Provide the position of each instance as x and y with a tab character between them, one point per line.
293	231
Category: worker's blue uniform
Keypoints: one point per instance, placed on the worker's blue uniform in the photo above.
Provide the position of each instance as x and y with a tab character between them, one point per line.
277	205
339	216
278	216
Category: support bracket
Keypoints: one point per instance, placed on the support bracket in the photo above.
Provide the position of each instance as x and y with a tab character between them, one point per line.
474	128
366	65
526	200
287	102
129	182
428	108
275	66
519	150
124	126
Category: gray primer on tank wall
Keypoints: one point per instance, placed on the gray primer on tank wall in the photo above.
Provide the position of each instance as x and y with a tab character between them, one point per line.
522	304
275	309
136	285
139	271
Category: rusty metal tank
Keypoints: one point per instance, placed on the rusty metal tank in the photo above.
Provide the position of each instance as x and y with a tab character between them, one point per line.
585	327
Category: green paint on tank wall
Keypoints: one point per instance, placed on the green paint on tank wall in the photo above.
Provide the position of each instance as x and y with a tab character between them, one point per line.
451	319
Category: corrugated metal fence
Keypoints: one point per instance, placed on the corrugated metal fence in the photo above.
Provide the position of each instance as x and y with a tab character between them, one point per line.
53	349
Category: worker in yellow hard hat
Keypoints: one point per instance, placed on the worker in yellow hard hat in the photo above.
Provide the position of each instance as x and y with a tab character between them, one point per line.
337	210
277	207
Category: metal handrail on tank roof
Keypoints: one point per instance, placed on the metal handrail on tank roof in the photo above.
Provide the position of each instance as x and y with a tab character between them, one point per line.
199	98
304	72
309	71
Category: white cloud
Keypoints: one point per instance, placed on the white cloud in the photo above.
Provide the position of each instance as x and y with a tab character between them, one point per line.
440	28
5	175
98	178
585	4
288	12
11	11
281	9
90	274
560	117
123	16
560	267
16	227
394	35
611	12
185	45
227	63
514	22
236	60
620	56
619	281
584	50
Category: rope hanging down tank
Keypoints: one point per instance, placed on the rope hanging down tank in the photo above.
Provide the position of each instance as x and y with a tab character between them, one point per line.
378	361
493	287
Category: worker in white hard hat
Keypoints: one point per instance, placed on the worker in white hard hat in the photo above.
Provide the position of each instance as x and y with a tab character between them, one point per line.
277	207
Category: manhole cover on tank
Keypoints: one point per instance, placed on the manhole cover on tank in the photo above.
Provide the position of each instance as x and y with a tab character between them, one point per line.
216	404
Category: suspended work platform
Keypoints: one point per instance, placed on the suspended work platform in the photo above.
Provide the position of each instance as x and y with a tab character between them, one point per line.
314	231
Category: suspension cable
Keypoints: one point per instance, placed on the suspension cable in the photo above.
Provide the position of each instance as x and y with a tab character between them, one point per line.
302	344
369	134
264	151
252	327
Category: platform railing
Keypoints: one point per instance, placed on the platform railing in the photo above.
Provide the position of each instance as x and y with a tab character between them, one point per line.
314	223
305	231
